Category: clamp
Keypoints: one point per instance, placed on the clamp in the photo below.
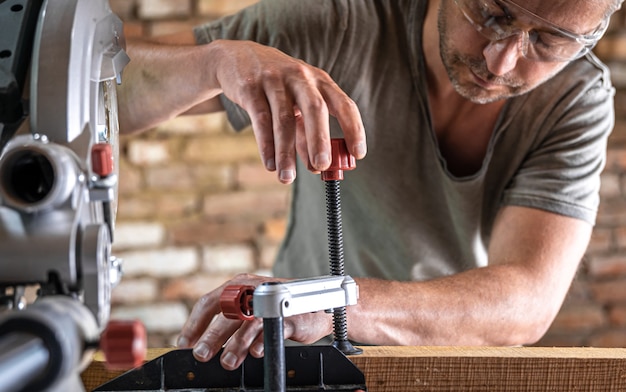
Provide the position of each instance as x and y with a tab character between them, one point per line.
272	301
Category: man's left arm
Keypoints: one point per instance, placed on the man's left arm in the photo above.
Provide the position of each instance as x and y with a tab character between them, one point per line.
533	256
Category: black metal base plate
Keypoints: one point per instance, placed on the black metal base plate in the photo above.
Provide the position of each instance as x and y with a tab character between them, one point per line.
308	368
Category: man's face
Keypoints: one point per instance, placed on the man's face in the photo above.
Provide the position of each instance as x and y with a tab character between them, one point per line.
483	70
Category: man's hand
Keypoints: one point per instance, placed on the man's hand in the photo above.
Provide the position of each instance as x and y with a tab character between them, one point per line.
289	103
207	330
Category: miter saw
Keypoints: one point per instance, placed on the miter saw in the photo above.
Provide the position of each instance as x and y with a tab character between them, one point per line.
60	61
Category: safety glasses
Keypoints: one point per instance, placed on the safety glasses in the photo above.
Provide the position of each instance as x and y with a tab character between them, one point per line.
539	39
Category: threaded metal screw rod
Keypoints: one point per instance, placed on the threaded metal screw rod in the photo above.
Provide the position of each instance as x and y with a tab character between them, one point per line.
335	246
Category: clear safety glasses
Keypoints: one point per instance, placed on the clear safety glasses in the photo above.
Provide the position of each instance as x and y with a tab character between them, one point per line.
540	40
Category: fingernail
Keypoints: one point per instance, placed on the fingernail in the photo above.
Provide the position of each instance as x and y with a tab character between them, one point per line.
322	160
182	342
287	175
229	359
270	164
360	150
201	351
257	349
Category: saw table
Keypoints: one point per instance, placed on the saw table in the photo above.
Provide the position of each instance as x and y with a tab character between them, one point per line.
485	369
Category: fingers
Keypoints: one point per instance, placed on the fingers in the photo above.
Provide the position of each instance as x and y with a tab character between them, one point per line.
201	316
284	124
260	114
289	103
242	342
214	337
240	338
208	330
347	114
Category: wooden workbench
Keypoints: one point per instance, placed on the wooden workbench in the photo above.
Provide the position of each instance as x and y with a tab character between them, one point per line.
468	369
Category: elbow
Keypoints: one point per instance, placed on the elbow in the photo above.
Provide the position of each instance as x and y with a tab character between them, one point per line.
531	328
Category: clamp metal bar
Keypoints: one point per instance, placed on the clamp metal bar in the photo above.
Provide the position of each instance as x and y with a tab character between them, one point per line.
284	299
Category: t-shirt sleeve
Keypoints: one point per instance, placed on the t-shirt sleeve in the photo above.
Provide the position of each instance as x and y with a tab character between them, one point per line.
306	29
561	171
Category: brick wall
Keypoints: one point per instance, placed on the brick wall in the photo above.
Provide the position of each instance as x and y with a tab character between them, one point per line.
196	206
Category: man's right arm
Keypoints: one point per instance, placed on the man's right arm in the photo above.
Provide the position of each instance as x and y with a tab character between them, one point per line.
288	101
165	78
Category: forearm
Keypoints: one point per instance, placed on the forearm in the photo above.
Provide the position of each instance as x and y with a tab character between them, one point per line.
163	81
533	257
487	306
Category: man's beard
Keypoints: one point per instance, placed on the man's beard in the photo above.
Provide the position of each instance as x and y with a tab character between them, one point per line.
455	62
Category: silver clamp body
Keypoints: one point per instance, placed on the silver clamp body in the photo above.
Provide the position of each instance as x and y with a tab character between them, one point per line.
284	299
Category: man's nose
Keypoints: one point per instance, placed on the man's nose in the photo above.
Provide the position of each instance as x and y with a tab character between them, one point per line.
501	56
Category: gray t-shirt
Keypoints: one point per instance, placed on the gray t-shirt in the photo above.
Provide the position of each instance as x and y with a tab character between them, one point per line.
405	216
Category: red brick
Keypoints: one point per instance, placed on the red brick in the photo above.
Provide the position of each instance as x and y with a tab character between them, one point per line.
268	255
610	185
579	319
180	176
167	27
607	266
140	206
214	177
192	287
149	152
620	103
254	175
274	230
130	178
205	232
558	339
616	159
612	48
134	291
610	292
155	9
133	30
221	7
172	205
612	213
617	316
601	241
608	338
192	125
125	9
620	237
222	149
258	205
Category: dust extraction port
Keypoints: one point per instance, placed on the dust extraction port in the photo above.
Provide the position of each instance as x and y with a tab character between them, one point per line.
28	177
36	177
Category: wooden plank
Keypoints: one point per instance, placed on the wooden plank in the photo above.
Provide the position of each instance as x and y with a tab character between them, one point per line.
467	369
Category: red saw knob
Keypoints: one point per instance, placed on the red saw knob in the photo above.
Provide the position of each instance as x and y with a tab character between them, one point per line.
341	160
236	302
124	344
102	159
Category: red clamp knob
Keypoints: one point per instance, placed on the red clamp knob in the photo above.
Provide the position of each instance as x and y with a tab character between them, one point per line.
124	344
341	160
102	159
236	302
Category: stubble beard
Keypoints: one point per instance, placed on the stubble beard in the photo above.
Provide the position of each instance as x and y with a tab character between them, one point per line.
455	62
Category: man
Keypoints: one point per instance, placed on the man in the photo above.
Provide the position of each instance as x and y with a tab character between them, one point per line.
486	125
